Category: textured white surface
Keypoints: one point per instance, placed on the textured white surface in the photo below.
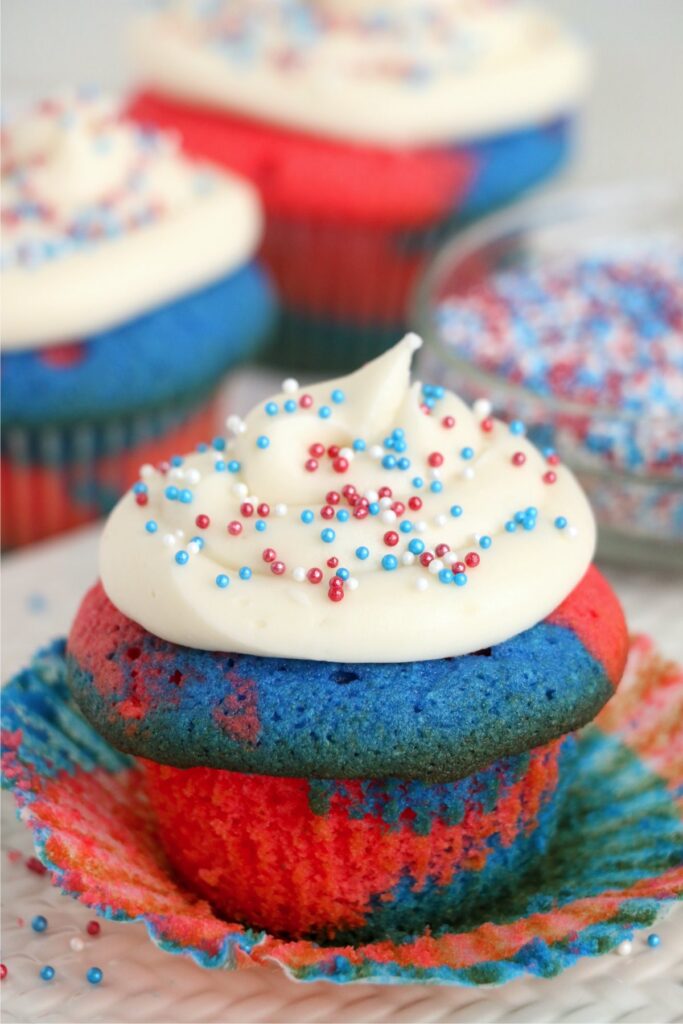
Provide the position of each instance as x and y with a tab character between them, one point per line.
41	590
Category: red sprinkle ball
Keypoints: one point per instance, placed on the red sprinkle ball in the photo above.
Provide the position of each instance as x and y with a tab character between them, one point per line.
441	550
391	538
415	504
314	575
425	558
487	425
36	866
340	464
435	459
202	521
269	555
93	928
310	465
549	477
263	510
332	498
317	451
518	459
234	528
448	422
3	972
247	509
472	559
306	401
141	499
278	568
333	562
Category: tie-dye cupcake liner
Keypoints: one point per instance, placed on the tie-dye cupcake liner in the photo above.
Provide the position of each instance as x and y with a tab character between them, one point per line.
57	477
615	865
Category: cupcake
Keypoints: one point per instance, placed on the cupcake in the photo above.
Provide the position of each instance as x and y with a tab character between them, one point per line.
369	129
129	288
351	666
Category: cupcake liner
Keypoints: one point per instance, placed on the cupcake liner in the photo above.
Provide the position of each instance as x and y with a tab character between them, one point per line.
354	859
616	862
350	227
60	476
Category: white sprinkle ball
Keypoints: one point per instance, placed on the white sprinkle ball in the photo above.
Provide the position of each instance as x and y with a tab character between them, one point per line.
235	424
280	509
420	526
435	566
468	473
176	473
193	548
482	407
76	944
421	584
290	385
372	496
450	557
624	948
385	502
180	534
347	453
375	451
388	516
440	520
168	540
408	558
146	471
240	490
299	574
572	531
193	476
352	583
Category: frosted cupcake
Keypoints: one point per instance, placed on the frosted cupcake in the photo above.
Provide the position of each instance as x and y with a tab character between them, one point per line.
369	129
129	288
351	663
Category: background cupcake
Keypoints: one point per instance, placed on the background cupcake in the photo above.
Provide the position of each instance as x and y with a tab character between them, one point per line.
352	662
129	287
368	129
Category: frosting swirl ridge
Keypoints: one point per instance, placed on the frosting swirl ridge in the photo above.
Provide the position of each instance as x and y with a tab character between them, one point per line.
363	519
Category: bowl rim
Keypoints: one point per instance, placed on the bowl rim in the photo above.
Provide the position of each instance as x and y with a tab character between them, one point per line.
551	209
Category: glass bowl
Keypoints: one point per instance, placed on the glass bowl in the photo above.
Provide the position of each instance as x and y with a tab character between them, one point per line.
639	513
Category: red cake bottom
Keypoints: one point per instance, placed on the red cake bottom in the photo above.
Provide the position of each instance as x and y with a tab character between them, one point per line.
58	478
354	859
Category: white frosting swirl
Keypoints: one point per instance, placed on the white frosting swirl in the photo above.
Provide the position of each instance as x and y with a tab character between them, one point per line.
417	72
386	614
103	220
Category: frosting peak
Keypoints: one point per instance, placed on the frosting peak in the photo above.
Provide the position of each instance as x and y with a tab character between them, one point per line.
363	519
